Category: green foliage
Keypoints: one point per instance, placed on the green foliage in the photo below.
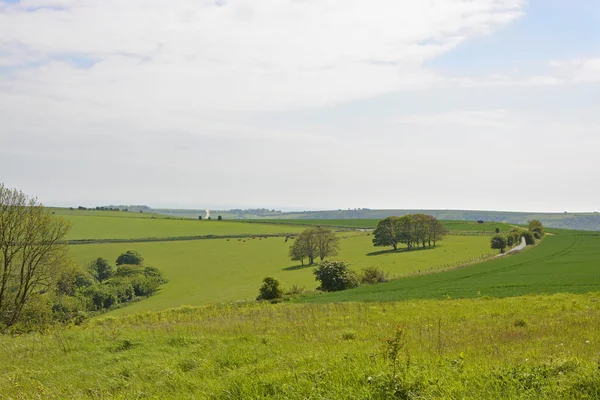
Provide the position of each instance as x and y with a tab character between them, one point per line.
499	242
101	269
127	270
529	238
334	276
314	242
458	349
269	289
219	218
131	258
565	263
373	275
196	268
414	230
536	227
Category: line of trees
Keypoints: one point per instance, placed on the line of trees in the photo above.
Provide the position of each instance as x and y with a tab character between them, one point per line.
314	242
413	230
535	230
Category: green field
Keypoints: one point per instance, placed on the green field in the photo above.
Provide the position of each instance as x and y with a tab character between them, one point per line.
455	226
219	270
515	348
110	227
564	263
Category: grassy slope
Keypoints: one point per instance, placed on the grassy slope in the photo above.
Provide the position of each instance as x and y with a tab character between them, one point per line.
567	262
515	348
221	270
372	223
109	227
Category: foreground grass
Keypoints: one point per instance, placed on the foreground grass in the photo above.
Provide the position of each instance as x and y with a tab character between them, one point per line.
542	347
220	270
566	262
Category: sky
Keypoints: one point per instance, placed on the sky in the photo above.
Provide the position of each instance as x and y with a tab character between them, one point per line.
303	104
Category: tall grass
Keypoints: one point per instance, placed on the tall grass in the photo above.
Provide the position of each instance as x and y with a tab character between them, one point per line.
517	348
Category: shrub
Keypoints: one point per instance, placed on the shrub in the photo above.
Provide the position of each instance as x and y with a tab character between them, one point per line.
295	289
126	270
499	243
334	276
130	257
143	286
101	269
269	289
101	296
153	272
373	275
529	238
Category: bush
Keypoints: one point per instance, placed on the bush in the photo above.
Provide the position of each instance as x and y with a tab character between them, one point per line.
130	257
373	275
153	272
334	276
101	296
499	242
529	238
143	286
269	289
126	270
295	289
101	269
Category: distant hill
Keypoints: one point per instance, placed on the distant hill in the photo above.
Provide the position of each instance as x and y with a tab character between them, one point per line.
576	221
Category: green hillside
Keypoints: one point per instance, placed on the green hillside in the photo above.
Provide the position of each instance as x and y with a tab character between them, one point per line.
565	263
515	348
220	270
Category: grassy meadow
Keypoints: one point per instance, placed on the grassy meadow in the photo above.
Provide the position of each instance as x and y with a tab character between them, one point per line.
454	226
116	227
564	263
532	347
218	270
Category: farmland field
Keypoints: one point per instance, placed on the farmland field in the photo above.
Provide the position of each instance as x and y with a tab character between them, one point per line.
455	226
220	270
109	227
534	347
564	263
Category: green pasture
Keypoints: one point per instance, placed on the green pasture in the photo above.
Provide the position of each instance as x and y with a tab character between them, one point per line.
220	270
565	263
534	347
454	226
109	227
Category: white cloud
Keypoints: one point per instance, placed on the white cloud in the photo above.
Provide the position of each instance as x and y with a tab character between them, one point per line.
250	55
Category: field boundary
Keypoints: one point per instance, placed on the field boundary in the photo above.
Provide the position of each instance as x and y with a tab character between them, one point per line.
174	238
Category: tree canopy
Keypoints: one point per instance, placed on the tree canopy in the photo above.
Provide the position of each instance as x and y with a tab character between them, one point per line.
314	242
413	230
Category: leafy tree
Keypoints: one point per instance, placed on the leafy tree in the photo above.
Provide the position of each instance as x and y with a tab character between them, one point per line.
387	233
327	242
297	252
334	276
219	218
32	254
131	258
499	243
269	289
497	230
436	230
529	238
537	228
101	269
200	218
306	245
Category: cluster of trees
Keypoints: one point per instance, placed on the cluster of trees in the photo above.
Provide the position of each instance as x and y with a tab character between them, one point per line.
219	218
40	284
412	230
102	286
535	230
314	242
31	253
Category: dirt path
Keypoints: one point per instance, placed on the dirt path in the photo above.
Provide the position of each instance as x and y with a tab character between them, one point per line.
516	248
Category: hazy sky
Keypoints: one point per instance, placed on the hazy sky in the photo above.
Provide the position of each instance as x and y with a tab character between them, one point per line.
445	104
